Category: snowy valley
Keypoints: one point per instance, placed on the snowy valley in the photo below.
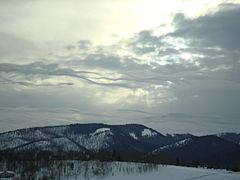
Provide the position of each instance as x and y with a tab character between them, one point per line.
96	170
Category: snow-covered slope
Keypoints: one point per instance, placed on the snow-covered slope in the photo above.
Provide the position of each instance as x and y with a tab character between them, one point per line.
80	137
148	133
178	144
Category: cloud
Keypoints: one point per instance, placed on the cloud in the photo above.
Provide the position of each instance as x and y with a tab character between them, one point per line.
144	42
219	29
45	117
132	111
44	71
12	46
188	116
184	80
204	53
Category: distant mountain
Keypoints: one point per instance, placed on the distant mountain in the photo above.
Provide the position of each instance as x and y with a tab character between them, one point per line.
221	150
179	137
209	150
83	137
233	137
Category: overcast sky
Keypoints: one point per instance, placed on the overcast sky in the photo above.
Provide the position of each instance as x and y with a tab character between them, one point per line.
171	65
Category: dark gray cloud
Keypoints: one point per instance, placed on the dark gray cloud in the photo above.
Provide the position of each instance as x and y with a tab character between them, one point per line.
219	29
103	61
211	40
144	42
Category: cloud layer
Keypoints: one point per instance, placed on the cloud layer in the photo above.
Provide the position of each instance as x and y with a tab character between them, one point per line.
185	80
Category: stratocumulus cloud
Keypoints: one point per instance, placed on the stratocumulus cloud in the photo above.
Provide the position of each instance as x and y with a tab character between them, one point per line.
185	78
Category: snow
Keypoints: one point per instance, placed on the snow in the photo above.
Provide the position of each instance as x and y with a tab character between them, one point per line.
65	144
133	136
20	137
47	138
102	130
179	173
96	170
181	143
97	140
148	133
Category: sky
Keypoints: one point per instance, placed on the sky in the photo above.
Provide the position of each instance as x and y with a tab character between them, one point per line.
171	65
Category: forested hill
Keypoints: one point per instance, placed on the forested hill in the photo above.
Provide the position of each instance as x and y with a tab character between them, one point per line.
131	142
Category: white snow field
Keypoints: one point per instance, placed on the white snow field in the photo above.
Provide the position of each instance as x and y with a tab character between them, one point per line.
179	173
96	170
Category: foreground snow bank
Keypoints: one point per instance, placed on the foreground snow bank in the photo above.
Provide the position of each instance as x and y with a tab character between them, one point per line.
179	173
96	170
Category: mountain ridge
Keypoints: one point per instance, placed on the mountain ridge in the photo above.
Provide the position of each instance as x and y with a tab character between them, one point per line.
123	139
